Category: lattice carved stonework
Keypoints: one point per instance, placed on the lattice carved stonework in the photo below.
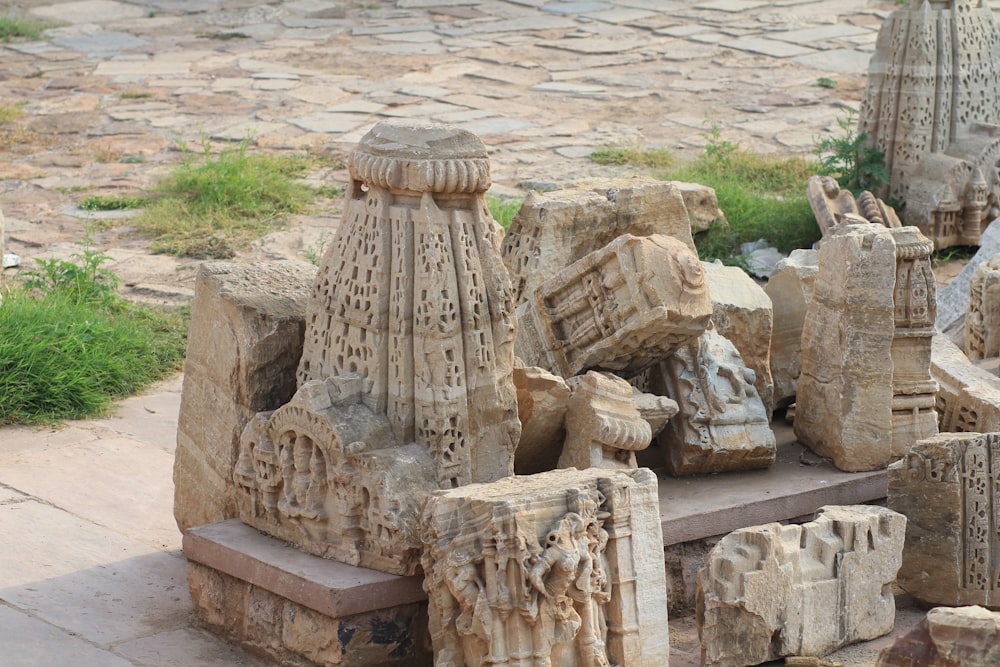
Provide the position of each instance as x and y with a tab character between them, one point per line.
559	568
413	298
949	487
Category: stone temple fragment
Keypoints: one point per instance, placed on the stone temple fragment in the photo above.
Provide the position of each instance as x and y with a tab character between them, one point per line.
405	381
982	323
946	637
772	591
932	105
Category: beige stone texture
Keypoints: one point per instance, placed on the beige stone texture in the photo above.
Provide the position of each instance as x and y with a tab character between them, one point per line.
289	632
604	428
931	106
555	229
946	637
800	590
562	568
833	206
790	289
982	322
722	424
948	487
844	395
542	401
702	206
742	312
247	323
968	398
619	309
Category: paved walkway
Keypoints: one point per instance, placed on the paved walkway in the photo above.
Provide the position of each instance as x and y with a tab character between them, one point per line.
90	569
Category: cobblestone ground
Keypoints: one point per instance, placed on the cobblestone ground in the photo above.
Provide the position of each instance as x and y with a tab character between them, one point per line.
109	95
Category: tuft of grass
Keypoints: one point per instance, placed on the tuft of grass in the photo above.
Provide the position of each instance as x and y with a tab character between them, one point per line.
109	203
19	27
212	204
136	95
10	112
650	158
503	210
70	345
825	82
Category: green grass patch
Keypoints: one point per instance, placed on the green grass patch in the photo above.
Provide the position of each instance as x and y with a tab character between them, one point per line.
70	346
136	95
17	27
10	112
650	158
503	210
212	204
109	203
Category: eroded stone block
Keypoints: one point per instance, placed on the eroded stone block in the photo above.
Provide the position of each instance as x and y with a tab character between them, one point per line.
967	636
948	487
555	229
702	206
772	591
741	311
563	567
833	206
968	398
245	340
790	289
619	309
542	401
722	423
982	323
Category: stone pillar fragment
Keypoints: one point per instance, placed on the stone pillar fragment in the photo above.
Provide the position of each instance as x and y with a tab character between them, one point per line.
790	288
542	401
982	323
844	396
742	312
722	424
619	309
946	637
245	340
948	487
772	591
561	568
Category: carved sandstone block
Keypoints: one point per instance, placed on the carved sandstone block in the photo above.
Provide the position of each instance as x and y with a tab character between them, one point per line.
833	206
722	423
968	398
741	311
790	289
560	568
946	637
772	591
844	396
948	487
555	229
247	323
702	206
619	309
982	323
542	401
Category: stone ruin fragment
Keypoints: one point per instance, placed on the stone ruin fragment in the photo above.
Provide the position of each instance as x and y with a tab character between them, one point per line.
790	289
982	322
771	591
947	637
968	398
405	378
560	568
834	206
932	105
948	487
865	393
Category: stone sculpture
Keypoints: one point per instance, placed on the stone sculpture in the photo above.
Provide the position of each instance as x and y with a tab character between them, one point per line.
619	309
932	106
865	393
741	311
968	398
405	381
948	487
833	206
946	637
560	568
790	289
722	423
604	429
953	299
553	230
982	323
771	591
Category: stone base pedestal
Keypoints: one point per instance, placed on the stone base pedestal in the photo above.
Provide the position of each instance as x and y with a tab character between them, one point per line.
300	609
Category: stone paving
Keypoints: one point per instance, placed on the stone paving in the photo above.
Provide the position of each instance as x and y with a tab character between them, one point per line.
90	570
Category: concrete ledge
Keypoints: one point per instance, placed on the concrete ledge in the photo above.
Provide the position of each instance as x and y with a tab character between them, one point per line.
331	588
698	507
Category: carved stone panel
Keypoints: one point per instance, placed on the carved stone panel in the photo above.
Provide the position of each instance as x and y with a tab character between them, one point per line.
946	637
722	423
948	487
619	309
982	323
560	568
968	398
774	590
